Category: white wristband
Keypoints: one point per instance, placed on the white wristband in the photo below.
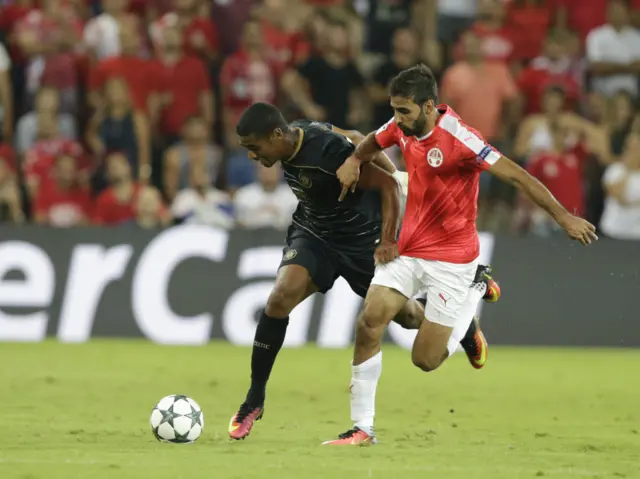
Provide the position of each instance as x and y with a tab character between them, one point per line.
402	177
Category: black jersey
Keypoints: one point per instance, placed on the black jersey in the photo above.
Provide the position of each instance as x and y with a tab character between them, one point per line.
352	225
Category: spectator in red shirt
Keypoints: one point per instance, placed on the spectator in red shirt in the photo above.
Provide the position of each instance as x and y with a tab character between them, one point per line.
116	204
578	15
247	77
48	37
12	13
561	171
63	201
10	202
553	67
529	21
286	45
497	38
187	85
140	75
40	158
200	36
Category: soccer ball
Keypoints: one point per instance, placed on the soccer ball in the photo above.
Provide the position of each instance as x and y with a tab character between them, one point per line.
177	418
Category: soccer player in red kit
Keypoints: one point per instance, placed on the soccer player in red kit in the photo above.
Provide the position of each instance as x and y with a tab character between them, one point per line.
438	246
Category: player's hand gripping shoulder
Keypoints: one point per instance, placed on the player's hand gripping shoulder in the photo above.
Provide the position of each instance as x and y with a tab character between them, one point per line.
349	173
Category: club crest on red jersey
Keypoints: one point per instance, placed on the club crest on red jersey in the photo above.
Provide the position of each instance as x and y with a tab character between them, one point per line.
435	157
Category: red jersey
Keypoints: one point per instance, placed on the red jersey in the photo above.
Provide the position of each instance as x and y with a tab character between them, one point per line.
63	208
444	169
542	74
109	211
186	81
40	158
141	76
246	80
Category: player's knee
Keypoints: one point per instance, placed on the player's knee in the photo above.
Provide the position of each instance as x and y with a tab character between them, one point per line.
426	362
282	300
368	332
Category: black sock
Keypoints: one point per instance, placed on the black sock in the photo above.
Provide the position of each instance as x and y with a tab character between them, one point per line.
266	345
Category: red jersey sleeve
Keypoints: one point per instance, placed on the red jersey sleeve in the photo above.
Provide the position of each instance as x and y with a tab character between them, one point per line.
471	148
387	134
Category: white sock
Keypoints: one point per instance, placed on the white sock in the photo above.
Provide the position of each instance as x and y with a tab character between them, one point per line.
364	380
467	312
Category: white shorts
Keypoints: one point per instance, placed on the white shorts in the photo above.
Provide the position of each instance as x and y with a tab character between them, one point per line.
446	284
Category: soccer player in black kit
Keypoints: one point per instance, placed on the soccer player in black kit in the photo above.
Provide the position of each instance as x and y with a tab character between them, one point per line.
328	238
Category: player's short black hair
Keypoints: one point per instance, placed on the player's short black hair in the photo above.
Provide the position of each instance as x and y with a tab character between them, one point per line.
260	119
417	83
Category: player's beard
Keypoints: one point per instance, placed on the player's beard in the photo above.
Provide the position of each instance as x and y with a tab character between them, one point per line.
418	126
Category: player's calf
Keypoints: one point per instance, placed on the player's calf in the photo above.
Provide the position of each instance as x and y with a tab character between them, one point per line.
380	306
430	347
411	315
293	285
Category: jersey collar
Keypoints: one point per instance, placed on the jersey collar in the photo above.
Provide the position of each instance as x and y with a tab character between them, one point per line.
298	145
442	109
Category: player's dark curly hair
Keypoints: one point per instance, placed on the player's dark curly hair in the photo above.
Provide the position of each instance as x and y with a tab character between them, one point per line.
260	119
417	83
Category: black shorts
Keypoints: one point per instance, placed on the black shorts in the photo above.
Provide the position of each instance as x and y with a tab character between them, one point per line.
326	264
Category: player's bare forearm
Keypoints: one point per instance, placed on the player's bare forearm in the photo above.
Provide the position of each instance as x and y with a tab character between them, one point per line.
380	158
510	172
374	178
368	149
390	206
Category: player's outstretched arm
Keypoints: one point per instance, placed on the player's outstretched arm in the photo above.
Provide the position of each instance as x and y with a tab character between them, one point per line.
510	172
374	178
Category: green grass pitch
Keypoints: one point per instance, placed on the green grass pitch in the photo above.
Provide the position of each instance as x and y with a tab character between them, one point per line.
82	411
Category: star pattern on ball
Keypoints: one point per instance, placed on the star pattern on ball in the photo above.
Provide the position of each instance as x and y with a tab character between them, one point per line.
171	414
195	416
167	416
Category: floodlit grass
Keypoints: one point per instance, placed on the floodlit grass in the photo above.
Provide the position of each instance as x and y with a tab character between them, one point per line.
82	411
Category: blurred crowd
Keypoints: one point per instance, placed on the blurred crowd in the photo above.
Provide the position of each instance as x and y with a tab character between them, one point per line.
123	112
